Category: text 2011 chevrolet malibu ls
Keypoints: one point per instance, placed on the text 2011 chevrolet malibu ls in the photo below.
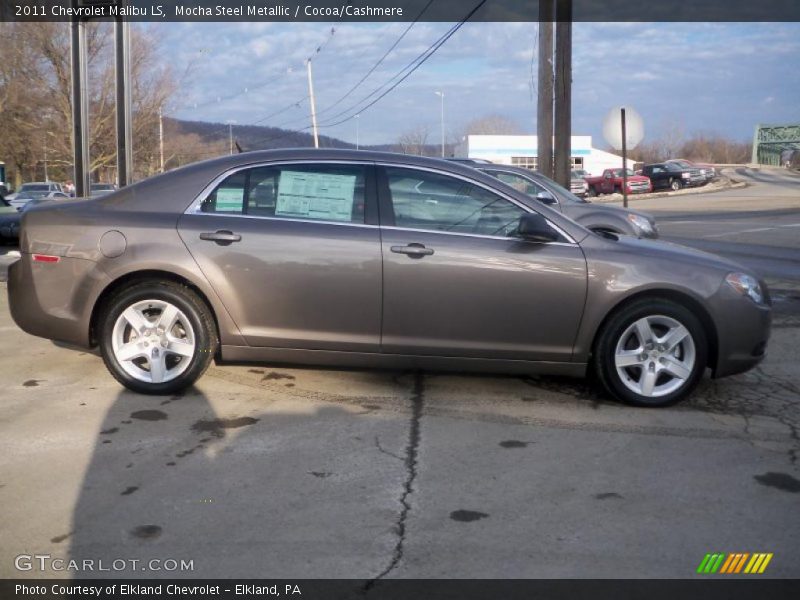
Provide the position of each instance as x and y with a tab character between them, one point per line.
325	257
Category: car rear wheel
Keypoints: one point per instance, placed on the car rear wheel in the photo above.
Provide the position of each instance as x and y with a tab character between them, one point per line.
675	185
651	353
157	337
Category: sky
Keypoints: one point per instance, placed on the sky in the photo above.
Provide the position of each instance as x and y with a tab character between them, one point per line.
692	77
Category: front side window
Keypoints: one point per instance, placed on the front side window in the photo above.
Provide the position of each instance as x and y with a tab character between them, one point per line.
308	192
434	202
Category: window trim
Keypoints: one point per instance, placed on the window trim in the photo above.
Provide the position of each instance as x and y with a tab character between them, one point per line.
377	195
370	193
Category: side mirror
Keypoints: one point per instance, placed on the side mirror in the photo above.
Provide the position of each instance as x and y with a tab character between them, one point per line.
546	198
535	228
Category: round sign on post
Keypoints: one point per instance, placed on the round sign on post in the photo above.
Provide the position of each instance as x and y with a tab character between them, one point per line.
612	128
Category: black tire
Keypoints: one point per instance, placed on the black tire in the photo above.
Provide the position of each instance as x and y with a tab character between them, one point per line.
675	184
617	189
187	301
592	193
618	323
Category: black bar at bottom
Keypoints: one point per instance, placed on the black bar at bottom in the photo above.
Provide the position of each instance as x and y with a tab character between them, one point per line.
733	588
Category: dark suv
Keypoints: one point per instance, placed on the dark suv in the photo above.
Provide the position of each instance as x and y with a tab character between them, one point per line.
672	176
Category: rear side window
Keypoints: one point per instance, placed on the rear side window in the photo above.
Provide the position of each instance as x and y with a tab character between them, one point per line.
429	201
307	192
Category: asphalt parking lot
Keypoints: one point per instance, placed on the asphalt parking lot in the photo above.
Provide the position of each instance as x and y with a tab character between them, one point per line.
275	472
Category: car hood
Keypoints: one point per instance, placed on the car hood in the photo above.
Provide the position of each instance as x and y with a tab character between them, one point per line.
660	249
606	208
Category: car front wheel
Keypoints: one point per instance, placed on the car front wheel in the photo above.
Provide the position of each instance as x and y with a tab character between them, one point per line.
651	353
675	185
157	337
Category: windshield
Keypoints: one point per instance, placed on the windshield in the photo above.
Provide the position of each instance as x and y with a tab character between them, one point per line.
563	194
628	173
34	187
102	187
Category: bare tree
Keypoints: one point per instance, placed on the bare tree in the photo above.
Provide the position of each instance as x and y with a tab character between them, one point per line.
36	98
492	125
414	141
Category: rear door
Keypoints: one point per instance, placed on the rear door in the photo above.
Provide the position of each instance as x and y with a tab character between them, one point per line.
293	250
459	283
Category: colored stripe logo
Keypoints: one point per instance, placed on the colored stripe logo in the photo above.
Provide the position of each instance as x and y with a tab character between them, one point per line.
734	562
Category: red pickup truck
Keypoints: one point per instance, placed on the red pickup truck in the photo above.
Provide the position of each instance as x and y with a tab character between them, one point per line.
610	182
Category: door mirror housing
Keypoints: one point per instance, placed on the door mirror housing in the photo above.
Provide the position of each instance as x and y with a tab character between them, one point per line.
546	198
535	228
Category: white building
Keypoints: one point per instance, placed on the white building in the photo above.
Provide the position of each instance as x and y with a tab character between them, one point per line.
521	150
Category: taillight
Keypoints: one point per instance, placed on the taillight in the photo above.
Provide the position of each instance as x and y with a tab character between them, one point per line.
46	258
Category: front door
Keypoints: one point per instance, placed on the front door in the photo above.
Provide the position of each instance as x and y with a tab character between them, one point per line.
293	251
458	282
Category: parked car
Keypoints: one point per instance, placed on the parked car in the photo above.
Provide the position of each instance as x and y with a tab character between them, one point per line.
672	176
582	173
9	222
709	172
611	181
600	218
367	259
10	218
577	185
22	198
37	187
101	189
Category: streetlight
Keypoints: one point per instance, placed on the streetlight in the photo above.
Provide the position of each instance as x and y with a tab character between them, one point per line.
230	134
441	95
357	117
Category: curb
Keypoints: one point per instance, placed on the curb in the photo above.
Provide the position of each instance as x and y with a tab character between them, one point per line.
609	199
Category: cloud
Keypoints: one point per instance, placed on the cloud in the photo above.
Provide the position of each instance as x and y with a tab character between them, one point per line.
703	76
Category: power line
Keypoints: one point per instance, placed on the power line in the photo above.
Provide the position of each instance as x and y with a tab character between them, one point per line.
422	59
380	60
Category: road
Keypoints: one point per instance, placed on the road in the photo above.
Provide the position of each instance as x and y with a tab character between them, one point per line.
274	472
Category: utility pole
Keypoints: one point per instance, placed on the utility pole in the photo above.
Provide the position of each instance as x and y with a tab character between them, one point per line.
441	95
230	135
46	178
358	118
544	107
80	107
563	89
313	105
124	112
624	159
161	139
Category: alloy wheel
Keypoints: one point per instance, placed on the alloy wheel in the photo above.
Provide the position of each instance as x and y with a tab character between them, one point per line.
153	341
655	356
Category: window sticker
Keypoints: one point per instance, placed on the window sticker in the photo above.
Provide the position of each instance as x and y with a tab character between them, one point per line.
230	199
320	196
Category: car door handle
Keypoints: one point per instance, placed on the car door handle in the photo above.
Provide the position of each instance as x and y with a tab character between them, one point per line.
413	250
221	237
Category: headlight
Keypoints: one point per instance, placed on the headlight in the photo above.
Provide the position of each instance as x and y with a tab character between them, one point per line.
747	286
686	175
640	223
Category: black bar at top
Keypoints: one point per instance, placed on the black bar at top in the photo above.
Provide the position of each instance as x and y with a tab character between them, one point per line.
288	11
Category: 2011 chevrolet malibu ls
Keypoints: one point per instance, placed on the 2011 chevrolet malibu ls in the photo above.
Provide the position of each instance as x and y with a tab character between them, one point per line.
361	259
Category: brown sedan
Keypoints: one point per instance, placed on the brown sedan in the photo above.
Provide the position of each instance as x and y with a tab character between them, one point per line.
374	260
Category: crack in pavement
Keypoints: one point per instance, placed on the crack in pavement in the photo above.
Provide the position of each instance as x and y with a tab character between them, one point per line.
412	453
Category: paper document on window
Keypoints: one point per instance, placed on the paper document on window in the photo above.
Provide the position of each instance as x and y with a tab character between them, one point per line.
321	196
229	199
